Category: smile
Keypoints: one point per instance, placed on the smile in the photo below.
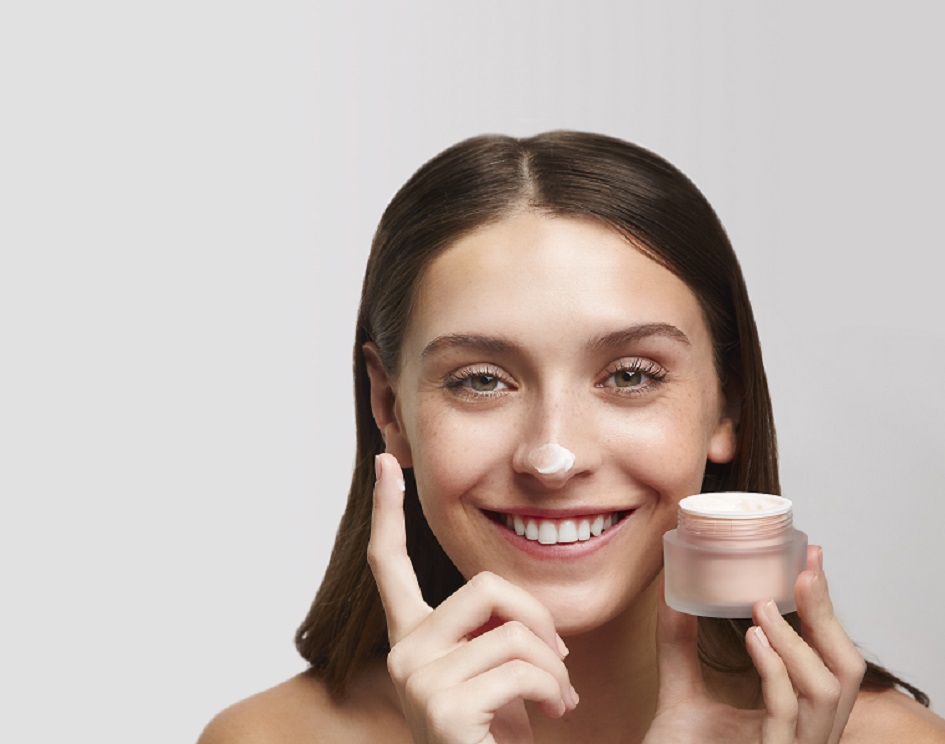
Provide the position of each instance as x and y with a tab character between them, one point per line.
559	531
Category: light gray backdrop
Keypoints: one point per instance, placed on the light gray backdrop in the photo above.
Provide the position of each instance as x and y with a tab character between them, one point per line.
188	194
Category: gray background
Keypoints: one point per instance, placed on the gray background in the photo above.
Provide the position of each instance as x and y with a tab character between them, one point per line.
188	194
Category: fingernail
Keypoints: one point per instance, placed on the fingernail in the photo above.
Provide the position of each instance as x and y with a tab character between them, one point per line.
562	649
378	467
760	635
820	558
575	697
771	610
401	485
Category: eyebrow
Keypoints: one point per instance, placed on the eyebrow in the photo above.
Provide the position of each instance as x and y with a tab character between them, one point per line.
636	333
474	341
496	345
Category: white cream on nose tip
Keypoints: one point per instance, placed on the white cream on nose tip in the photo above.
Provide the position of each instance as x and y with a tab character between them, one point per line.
551	459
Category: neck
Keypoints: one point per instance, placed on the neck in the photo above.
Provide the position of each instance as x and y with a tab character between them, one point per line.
613	668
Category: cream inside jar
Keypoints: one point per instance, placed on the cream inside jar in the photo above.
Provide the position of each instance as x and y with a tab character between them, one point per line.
731	549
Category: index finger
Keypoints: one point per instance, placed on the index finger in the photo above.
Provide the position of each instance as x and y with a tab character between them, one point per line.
387	553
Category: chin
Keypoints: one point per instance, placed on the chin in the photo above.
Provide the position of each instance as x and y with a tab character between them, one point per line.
578	611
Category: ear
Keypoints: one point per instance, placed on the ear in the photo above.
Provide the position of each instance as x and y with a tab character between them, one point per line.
722	442
384	406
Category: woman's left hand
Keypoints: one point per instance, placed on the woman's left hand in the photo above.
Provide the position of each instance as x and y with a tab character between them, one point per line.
808	685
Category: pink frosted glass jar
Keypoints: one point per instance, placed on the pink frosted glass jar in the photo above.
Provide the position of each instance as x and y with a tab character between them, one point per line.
731	549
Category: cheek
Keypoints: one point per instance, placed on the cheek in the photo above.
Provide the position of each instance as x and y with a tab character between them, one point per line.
665	451
454	453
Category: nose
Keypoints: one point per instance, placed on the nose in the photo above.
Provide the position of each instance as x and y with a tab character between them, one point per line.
559	442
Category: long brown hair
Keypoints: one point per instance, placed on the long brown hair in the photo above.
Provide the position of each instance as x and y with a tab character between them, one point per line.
481	180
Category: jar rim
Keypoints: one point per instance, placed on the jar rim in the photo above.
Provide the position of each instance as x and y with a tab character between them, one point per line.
735	505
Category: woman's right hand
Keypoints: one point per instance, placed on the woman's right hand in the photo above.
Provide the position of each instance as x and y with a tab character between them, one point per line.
464	670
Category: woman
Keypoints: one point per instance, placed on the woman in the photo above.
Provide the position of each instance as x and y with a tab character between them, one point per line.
565	296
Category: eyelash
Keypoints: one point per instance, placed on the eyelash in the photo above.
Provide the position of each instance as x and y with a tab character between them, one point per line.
459	381
654	372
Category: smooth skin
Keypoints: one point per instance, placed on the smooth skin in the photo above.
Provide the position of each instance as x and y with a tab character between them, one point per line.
527	331
535	330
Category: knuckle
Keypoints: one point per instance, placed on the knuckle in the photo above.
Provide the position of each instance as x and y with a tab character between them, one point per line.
485	582
516	633
829	692
855	669
373	555
396	666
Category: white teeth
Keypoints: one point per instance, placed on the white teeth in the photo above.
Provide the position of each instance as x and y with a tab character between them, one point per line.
531	529
584	530
551	532
567	531
547	533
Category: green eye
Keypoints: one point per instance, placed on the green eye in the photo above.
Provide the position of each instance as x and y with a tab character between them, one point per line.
484	383
628	378
477	383
633	376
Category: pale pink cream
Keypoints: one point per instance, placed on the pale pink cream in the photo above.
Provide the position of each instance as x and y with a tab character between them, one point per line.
551	459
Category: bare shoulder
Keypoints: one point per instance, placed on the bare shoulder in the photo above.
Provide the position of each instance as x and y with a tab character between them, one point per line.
891	716
301	711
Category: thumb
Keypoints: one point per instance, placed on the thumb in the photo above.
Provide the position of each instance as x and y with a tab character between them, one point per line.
677	657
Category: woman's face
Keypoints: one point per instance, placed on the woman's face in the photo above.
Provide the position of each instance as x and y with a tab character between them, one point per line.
538	330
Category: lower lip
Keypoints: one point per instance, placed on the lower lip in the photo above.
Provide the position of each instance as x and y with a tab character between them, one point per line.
562	551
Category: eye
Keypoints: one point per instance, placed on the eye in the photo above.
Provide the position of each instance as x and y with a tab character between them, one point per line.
628	378
633	376
477	381
484	383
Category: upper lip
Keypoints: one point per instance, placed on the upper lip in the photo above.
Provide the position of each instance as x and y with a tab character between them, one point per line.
568	513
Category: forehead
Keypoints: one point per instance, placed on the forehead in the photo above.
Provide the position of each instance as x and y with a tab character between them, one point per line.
539	277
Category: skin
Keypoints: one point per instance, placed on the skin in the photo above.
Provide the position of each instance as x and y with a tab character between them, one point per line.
547	289
528	331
